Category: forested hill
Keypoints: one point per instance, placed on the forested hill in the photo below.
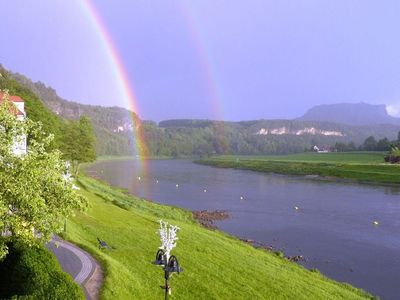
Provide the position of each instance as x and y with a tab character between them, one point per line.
264	136
34	107
112	125
113	129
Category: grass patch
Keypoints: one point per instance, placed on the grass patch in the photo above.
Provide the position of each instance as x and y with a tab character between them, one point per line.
331	157
217	266
368	167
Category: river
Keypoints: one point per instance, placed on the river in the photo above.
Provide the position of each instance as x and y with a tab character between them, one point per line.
332	227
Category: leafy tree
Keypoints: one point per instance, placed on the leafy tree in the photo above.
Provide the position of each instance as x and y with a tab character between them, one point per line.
79	143
351	147
340	147
383	145
35	194
370	144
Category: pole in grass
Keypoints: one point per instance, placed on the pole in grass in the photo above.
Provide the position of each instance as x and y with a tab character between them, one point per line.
169	263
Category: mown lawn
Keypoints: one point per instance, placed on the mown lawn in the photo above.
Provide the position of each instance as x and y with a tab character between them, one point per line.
334	157
367	167
216	266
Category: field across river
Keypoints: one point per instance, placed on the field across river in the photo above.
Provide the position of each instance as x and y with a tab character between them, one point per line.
367	167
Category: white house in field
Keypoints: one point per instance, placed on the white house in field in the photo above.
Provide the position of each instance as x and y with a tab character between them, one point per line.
19	147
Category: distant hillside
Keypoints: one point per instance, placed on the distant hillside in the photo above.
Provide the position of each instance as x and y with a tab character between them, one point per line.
350	113
323	126
313	131
34	107
113	126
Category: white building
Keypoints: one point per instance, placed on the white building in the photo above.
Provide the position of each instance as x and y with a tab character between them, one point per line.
19	147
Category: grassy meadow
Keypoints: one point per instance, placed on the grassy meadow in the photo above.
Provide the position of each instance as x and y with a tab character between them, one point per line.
216	265
366	167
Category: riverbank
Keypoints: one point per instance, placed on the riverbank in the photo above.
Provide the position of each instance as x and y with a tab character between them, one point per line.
207	218
129	157
359	167
237	270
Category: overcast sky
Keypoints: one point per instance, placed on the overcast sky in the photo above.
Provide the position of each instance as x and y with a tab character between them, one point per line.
232	60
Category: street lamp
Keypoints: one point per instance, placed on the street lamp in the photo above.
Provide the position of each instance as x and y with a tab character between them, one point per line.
170	267
170	264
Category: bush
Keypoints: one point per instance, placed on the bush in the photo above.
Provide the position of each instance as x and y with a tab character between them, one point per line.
393	159
394	156
34	273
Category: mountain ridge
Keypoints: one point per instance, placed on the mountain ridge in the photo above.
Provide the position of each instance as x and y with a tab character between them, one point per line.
113	128
356	114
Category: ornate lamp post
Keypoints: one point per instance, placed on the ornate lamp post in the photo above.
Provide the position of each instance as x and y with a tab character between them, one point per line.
169	263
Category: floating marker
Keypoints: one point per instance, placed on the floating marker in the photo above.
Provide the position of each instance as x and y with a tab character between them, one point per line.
241	197
139	178
375	222
177	185
205	191
156	181
296	208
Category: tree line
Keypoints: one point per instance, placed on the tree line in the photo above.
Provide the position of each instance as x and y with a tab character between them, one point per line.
369	144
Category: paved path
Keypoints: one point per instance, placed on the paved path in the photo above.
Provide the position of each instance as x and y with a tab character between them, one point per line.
79	264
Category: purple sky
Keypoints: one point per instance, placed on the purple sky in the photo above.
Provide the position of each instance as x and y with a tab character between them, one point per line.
232	60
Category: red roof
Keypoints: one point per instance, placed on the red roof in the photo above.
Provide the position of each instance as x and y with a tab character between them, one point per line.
13	99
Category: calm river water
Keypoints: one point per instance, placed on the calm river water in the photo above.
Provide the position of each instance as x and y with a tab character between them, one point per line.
333	227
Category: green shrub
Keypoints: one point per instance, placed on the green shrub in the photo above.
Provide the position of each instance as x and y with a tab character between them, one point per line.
393	156
34	273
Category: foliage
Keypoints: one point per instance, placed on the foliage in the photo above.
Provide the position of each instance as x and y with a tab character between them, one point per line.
35	198
217	266
343	147
35	109
79	143
370	144
34	273
395	151
393	156
383	145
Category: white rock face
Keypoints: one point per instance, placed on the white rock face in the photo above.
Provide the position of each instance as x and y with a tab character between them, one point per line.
124	127
280	131
306	130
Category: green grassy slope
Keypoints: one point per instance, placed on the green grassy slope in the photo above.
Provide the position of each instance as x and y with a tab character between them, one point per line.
216	265
358	166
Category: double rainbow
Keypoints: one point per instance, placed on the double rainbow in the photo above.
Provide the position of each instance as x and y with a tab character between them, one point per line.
119	72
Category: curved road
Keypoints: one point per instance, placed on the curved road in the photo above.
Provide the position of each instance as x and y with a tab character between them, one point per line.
79	264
